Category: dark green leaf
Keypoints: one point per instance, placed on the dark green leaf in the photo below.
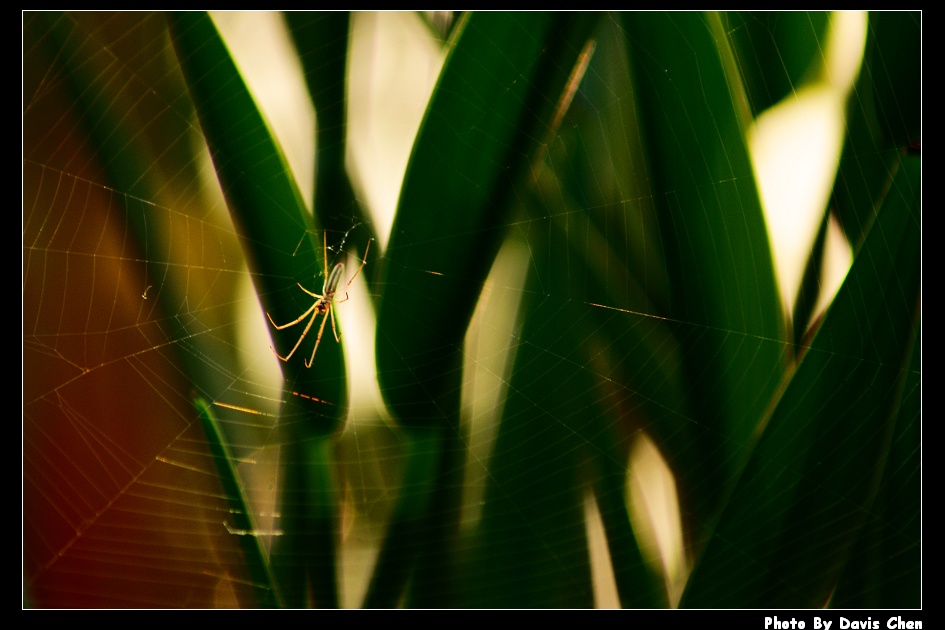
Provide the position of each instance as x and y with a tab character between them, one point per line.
269	215
816	470
776	51
322	41
494	105
878	124
256	562
723	305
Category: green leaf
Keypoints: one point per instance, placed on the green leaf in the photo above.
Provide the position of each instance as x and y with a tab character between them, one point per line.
322	41
885	569
557	424
790	525
878	125
270	216
723	305
266	596
776	51
493	107
897	78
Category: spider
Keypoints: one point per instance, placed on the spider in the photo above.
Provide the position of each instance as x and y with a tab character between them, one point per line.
322	305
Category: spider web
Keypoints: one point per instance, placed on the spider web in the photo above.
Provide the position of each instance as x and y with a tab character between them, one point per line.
134	281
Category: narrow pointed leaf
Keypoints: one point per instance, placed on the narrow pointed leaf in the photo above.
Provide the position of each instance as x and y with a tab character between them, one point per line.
789	527
270	216
723	305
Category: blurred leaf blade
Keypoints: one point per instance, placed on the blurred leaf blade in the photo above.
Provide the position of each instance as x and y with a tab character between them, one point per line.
878	126
897	78
477	137
816	469
594	202
322	41
777	51
715	242
251	168
267	209
266	595
885	569
493	107
556	424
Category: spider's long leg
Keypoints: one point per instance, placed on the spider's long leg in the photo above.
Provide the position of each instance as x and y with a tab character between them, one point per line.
294	321
318	339
363	262
304	332
325	253
314	295
333	328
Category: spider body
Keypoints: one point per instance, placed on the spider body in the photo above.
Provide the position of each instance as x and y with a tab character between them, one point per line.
330	287
322	305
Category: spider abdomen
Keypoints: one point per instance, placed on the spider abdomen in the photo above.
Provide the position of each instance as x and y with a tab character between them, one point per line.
331	285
